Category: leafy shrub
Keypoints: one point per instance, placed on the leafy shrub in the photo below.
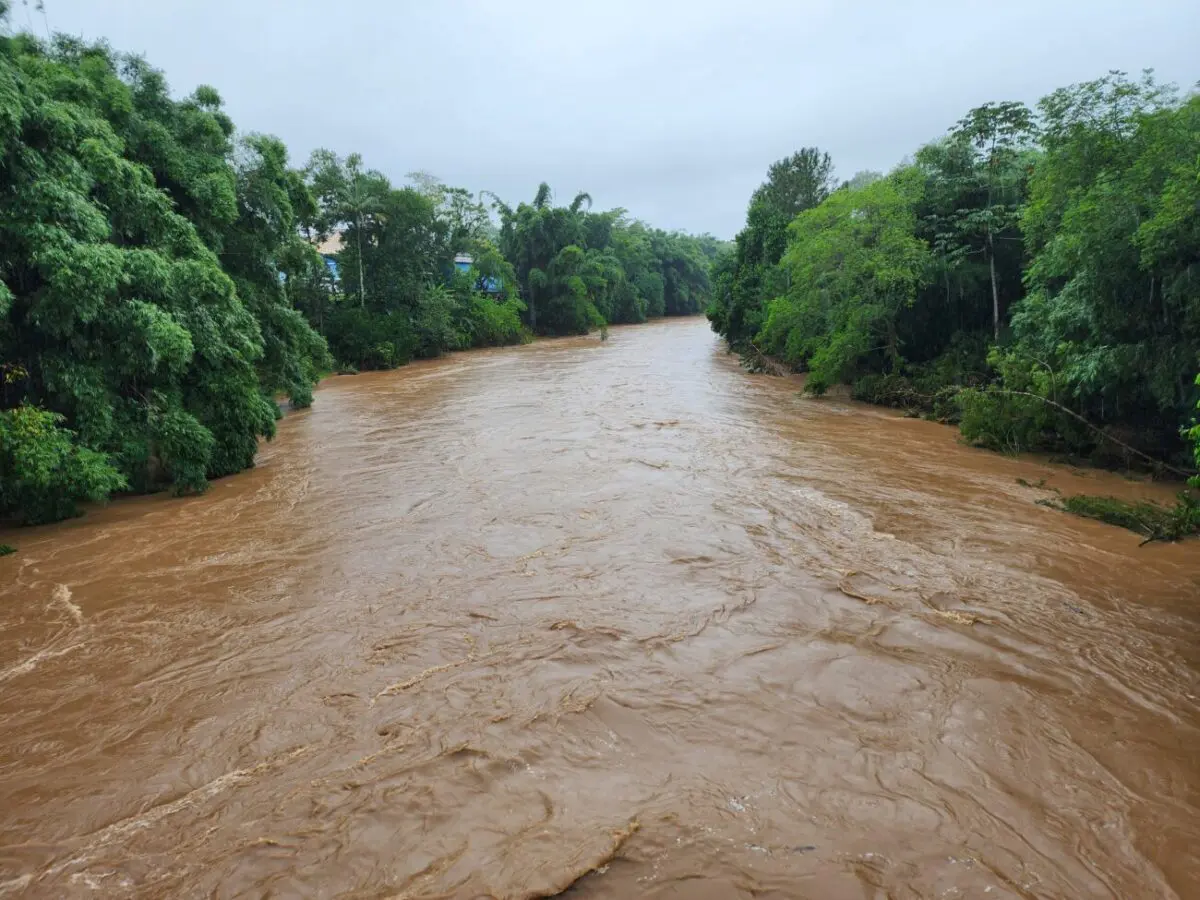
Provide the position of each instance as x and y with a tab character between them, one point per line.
45	474
366	339
433	323
1014	422
492	323
184	448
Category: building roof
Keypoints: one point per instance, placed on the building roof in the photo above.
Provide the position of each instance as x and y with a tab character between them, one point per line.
330	245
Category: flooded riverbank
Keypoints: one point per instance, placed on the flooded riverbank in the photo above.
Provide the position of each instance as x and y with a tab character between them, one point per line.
614	614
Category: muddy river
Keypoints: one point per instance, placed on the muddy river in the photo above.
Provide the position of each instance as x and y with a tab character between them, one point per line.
617	619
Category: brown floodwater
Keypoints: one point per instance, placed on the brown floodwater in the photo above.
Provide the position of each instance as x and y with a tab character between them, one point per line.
617	619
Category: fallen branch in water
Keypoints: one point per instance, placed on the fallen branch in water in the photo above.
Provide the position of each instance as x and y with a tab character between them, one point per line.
926	401
1186	473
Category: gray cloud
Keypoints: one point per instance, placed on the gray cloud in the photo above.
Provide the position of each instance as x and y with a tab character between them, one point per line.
670	109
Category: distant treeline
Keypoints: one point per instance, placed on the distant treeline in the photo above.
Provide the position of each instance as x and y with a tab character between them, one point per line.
1033	275
161	283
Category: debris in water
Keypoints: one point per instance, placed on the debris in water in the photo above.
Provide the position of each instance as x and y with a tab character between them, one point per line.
32	662
62	596
849	592
401	686
956	617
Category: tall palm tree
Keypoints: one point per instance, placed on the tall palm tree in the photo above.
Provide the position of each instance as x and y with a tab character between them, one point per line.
362	196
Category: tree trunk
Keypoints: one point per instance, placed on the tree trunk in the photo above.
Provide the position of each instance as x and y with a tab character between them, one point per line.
995	287
362	285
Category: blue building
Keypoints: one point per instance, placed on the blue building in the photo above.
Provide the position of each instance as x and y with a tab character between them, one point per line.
493	287
329	249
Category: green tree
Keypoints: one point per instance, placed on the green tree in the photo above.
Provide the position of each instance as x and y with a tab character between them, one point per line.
263	252
995	136
544	243
350	198
114	305
467	219
794	184
1111	325
402	244
579	269
854	265
401	254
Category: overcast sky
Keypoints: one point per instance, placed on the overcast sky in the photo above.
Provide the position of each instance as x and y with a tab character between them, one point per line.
672	109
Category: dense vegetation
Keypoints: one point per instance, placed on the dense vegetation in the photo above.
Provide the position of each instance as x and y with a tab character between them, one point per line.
577	268
1032	275
160	283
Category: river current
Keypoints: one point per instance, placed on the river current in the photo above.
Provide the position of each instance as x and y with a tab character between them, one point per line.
614	618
